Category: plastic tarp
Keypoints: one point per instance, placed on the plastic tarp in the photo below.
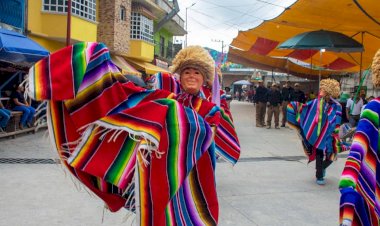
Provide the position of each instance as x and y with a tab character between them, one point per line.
357	19
124	65
19	49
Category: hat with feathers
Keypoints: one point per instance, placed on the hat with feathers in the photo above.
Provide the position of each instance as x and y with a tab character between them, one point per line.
330	86
194	57
376	69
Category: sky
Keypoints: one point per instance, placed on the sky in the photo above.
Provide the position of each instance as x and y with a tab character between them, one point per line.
209	22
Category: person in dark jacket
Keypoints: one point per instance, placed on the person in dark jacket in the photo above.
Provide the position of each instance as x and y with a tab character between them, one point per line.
287	92
260	99
18	103
298	94
274	102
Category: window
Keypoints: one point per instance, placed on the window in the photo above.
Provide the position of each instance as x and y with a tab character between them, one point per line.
123	13
162	46
81	8
141	27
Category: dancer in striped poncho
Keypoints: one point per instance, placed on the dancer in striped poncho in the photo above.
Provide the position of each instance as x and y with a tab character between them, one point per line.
359	183
151	152
318	123
226	140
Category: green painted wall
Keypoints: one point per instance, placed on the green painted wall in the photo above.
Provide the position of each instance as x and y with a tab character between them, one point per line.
168	37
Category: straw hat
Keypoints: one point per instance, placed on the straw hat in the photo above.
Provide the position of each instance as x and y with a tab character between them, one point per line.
330	86
194	57
376	69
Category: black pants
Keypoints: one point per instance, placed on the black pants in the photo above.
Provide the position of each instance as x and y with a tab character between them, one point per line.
321	164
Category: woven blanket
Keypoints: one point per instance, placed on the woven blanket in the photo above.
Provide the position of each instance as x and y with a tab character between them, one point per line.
148	151
226	141
317	123
359	183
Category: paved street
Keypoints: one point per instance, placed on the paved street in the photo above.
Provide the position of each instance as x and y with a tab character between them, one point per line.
271	185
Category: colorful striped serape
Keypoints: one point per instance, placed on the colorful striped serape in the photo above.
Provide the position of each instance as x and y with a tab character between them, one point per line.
109	135
359	183
317	123
226	140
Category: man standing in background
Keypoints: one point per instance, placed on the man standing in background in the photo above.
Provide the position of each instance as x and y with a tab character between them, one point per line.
353	110
299	95
274	102
287	92
260	99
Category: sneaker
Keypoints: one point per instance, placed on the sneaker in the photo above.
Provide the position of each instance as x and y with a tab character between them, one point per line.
283	125
277	127
29	125
321	181
21	126
268	127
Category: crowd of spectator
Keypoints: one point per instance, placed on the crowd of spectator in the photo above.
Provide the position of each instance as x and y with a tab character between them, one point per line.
271	101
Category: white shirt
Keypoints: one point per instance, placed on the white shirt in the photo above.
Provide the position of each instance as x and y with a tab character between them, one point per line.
357	106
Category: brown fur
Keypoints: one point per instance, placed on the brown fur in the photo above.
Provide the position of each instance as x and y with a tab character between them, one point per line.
376	69
330	86
194	57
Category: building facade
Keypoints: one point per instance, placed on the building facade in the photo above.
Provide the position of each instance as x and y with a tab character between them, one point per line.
47	22
141	31
12	15
114	25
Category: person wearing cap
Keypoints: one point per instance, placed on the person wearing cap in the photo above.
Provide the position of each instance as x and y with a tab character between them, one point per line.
287	93
298	94
353	109
317	123
360	182
260	99
274	99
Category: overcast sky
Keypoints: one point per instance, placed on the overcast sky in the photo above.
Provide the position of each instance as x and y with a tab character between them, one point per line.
222	19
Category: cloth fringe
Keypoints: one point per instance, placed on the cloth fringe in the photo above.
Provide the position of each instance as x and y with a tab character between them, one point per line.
146	147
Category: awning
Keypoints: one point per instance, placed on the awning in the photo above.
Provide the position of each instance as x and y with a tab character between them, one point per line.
145	66
274	64
18	49
124	65
359	20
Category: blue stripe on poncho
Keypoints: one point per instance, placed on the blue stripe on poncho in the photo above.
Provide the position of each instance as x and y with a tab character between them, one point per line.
305	118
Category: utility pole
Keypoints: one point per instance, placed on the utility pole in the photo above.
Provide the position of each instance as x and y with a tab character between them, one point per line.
213	40
68	32
186	22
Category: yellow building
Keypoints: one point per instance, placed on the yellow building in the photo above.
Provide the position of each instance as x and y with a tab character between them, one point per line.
47	22
127	27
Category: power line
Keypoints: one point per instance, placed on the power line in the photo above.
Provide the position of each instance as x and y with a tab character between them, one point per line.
222	6
230	25
269	3
238	11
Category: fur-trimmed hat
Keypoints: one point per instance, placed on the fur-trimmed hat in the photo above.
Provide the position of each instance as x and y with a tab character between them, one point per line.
194	57
330	86
376	69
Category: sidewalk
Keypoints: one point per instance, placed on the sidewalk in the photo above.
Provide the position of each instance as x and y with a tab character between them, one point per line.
271	185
